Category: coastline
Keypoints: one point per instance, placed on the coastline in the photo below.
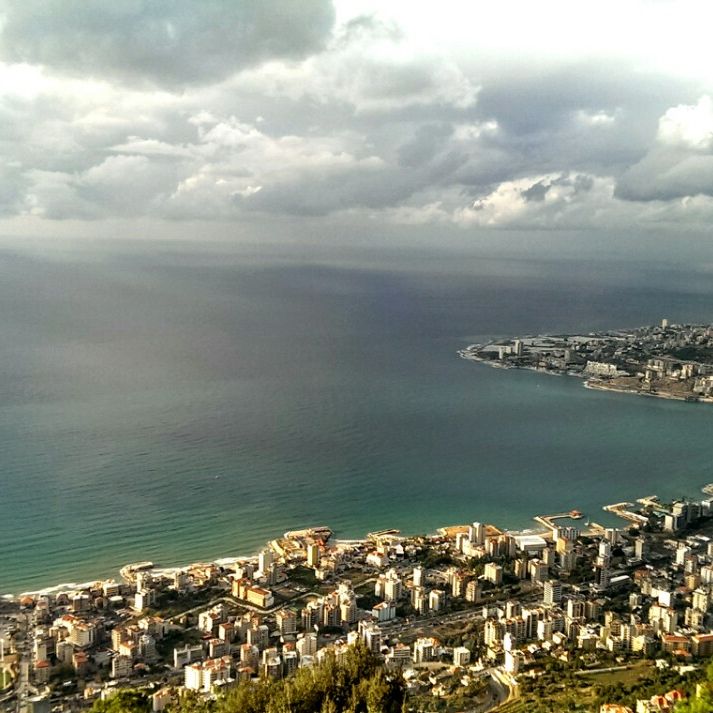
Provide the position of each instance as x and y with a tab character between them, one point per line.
545	523
588	382
226	561
603	386
543	528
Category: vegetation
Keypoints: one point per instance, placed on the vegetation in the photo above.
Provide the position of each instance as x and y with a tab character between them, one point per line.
304	576
172	603
177	638
125	701
358	685
560	688
702	702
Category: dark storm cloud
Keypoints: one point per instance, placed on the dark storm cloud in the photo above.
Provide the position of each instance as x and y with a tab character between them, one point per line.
666	175
536	192
167	42
424	145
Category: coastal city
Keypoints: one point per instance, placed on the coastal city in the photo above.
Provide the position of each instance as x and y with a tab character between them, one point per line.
673	361
575	614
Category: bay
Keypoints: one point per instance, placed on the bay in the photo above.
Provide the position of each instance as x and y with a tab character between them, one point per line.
180	402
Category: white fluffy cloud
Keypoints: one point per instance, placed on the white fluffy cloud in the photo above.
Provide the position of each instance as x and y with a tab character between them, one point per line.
690	126
679	164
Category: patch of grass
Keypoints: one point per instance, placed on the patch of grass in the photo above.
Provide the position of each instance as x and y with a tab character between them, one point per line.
628	677
302	575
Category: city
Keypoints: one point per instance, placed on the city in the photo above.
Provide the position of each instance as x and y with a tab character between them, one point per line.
673	361
471	617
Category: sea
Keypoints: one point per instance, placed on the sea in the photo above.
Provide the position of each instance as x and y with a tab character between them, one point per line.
180	401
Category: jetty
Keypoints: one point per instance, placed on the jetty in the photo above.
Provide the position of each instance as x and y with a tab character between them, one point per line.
548	521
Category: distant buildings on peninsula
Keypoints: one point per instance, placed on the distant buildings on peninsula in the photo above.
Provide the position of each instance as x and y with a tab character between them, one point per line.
670	360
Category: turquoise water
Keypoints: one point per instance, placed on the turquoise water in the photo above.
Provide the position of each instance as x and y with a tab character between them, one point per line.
187	402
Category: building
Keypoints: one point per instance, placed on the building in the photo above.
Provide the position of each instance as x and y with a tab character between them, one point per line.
307	645
552	592
188	654
436	599
385	611
260	597
539	571
265	562
472	591
458	583
313	555
286	621
493	573
476	533
121	667
461	656
702	645
203	675
371	636
424	650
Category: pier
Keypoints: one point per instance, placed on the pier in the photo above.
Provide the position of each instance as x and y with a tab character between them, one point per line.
549	520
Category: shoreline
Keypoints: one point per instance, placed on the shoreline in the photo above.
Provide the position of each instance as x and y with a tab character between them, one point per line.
541	529
588	382
603	386
223	561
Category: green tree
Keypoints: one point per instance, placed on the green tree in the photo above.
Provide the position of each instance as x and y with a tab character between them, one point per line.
125	701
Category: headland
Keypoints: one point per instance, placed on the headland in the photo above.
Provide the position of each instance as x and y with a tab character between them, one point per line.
670	361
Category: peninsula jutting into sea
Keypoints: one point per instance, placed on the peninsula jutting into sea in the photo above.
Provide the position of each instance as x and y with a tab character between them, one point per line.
671	361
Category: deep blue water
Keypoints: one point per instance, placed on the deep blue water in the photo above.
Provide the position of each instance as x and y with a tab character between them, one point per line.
178	402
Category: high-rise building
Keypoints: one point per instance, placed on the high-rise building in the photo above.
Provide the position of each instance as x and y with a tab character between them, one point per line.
424	650
461	656
265	561
472	591
476	533
307	644
641	548
553	592
493	573
458	584
313	555
601	577
436	598
286	621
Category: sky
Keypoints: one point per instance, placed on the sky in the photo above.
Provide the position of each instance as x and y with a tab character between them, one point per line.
482	120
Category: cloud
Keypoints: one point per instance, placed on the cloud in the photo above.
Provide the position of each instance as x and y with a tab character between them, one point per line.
365	119
371	68
680	163
167	42
12	188
690	126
